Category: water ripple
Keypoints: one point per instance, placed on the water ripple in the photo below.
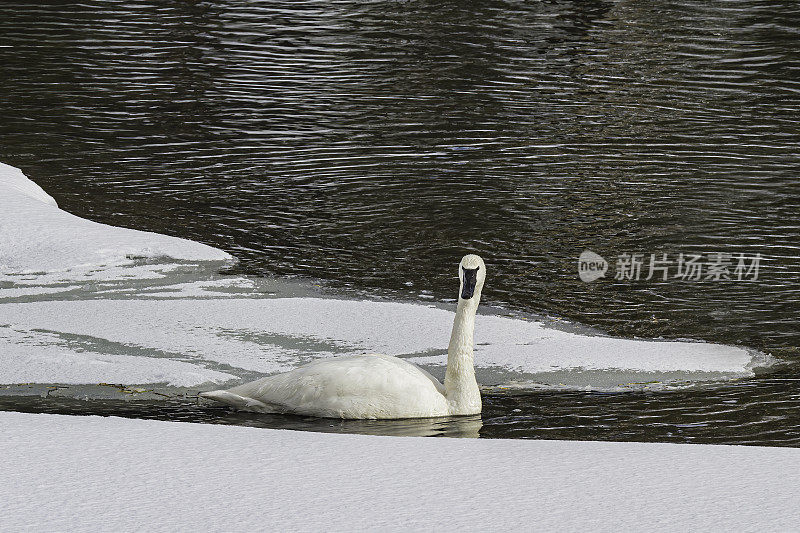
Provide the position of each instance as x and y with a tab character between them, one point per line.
369	144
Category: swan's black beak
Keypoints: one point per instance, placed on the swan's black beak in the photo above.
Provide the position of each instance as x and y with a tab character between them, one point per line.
468	283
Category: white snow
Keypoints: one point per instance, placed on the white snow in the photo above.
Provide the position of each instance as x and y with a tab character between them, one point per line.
46	358
37	236
12	180
274	335
203	289
110	474
18	292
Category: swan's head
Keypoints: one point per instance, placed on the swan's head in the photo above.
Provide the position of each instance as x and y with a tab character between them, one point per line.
471	272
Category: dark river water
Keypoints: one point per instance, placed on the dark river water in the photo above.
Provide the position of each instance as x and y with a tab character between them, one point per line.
369	144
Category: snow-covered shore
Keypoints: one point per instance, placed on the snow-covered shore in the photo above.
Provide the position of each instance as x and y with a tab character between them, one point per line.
104	474
38	237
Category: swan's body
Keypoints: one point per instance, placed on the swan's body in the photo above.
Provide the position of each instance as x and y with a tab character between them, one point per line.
376	386
360	386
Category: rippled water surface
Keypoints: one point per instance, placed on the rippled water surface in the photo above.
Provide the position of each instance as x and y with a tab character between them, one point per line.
368	144
752	412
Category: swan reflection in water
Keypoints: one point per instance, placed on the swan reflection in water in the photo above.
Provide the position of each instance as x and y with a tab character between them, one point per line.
456	426
445	426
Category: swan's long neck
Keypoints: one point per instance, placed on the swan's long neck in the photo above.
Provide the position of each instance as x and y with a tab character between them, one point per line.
461	388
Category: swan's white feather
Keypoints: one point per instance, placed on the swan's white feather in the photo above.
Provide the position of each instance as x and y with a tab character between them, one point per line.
362	386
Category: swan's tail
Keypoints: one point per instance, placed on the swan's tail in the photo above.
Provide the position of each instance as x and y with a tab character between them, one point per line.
240	402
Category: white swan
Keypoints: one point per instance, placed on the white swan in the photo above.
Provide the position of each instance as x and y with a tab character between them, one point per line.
377	386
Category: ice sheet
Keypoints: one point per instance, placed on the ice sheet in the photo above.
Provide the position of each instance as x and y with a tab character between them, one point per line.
47	358
271	335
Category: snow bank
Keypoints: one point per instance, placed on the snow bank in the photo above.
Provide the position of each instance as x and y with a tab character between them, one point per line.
255	336
36	236
92	473
12	180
